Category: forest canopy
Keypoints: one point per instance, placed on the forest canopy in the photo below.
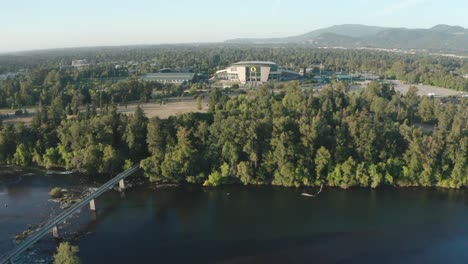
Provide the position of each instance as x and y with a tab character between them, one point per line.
293	138
335	138
290	137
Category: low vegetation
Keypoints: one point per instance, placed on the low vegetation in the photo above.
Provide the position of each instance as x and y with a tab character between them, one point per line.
56	192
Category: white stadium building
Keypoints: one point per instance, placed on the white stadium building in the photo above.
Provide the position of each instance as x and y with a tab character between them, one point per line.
253	73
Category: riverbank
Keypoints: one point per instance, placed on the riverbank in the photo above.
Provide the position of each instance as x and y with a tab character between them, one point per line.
12	172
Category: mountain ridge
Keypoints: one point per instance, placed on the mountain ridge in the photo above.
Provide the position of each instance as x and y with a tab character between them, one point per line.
440	37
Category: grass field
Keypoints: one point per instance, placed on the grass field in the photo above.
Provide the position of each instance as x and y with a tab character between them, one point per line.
165	110
426	89
152	109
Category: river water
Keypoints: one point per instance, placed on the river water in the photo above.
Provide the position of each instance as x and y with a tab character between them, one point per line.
251	224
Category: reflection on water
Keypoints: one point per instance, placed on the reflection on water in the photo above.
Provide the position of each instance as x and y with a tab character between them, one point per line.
24	201
274	225
252	225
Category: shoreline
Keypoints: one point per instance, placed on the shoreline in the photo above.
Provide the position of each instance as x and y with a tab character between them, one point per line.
42	171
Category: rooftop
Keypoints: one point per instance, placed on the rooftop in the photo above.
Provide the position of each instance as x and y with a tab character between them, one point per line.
168	76
254	62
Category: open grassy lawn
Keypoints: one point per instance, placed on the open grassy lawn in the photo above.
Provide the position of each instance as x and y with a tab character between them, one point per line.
426	89
151	109
163	111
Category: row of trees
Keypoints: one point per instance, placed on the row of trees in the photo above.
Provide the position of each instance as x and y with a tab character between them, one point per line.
92	143
42	79
204	58
429	73
42	87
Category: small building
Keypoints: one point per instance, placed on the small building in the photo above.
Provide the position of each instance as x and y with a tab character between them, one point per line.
344	77
322	78
172	77
370	77
79	63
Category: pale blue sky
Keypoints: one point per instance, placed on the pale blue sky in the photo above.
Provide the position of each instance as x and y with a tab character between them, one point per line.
39	24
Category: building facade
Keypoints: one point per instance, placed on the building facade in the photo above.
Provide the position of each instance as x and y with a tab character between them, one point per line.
79	63
171	77
253	73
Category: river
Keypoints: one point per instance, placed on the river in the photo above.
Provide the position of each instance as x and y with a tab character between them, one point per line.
238	224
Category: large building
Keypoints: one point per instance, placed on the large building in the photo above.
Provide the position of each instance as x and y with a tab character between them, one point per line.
169	77
253	73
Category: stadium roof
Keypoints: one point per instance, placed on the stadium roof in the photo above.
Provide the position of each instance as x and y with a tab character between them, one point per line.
254	62
169	76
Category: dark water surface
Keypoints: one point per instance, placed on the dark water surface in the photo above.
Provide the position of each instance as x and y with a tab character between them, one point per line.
24	200
256	224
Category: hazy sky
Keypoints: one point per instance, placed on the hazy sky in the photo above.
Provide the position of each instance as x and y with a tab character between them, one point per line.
39	24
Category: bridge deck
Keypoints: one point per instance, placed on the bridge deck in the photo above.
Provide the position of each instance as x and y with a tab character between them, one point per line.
65	214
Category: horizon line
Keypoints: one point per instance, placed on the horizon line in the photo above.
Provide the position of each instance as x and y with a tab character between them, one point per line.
203	43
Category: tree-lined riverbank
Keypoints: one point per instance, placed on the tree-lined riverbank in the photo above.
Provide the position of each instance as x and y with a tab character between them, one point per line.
294	138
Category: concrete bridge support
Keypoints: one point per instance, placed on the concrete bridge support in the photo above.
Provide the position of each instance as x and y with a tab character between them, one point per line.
92	205
122	184
55	232
93	215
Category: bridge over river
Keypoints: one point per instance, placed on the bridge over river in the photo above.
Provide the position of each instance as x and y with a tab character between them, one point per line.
52	225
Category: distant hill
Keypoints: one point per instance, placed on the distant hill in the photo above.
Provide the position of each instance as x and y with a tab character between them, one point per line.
439	38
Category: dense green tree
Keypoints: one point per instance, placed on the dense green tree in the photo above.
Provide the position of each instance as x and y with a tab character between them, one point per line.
22	156
322	164
66	254
215	99
135	135
426	109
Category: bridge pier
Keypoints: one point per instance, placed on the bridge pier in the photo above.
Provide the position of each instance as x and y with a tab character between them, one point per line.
55	232
93	215
122	184
92	205
53	224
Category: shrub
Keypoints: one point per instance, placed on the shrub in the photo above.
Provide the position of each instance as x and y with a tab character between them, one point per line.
56	192
66	254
